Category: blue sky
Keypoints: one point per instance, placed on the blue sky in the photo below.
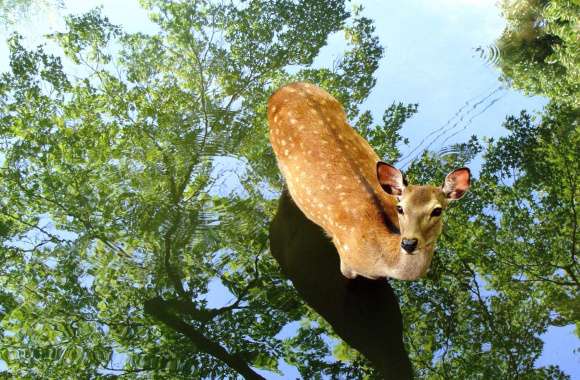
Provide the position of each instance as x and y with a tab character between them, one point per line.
430	59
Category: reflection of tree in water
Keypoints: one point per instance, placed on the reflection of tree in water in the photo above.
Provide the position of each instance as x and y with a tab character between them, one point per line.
124	160
15	11
539	49
120	167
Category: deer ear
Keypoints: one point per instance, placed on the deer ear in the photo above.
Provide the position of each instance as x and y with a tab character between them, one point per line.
456	183
390	178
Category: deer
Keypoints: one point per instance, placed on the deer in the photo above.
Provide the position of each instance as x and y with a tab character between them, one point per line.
381	226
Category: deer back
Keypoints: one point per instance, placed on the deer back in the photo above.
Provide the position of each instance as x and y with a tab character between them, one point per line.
330	172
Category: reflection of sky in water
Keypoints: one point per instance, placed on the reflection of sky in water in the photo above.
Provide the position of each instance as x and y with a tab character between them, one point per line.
430	59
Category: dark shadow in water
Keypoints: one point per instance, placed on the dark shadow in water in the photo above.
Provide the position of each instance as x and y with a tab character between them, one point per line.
364	313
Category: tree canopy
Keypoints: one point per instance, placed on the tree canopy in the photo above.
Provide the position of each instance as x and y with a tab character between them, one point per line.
113	220
535	168
539	49
132	191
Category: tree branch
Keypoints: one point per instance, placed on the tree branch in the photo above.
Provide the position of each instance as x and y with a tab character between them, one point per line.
157	309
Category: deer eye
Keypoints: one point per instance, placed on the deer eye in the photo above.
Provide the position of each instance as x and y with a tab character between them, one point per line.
437	211
400	210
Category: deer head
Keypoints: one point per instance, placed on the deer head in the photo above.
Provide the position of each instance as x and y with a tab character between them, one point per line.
420	208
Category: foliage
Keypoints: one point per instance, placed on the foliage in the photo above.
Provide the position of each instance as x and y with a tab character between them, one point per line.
506	267
539	49
535	168
458	322
13	11
536	236
384	138
115	228
118	221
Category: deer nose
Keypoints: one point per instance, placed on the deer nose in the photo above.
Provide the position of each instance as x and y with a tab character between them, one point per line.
409	245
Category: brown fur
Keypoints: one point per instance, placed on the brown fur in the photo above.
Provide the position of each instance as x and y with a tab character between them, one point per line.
330	171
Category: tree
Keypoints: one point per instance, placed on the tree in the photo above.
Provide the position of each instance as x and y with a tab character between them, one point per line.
539	49
114	226
12	11
512	242
533	174
534	169
457	322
